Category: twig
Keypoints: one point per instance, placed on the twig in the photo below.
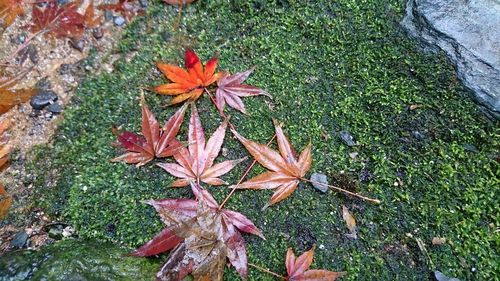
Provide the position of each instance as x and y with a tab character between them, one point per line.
267	271
343	191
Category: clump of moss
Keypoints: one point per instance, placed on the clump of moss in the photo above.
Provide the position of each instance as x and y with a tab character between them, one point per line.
330	66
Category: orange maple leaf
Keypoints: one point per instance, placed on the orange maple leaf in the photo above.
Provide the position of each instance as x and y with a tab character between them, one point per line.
286	169
188	84
296	268
9	10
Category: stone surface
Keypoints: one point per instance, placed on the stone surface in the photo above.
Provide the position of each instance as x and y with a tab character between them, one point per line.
469	32
321	178
19	240
119	21
55	108
42	99
347	138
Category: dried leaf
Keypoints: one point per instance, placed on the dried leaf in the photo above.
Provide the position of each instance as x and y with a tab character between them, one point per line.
10	97
4	147
202	236
297	268
154	142
124	7
438	241
286	168
91	20
350	221
5	202
187	84
58	21
196	162
9	11
231	89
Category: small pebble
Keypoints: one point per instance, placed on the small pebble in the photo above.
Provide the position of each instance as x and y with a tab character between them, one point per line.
108	15
78	44
144	3
320	178
418	135
119	21
347	138
97	33
166	36
55	108
42	99
19	240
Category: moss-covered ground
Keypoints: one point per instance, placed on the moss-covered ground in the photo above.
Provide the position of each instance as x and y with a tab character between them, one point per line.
330	66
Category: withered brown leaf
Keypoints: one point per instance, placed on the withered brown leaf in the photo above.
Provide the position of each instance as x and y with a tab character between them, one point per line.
201	235
286	168
297	268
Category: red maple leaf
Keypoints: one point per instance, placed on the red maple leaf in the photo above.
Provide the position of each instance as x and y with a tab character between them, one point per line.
154	142
58	21
180	216
196	162
188	84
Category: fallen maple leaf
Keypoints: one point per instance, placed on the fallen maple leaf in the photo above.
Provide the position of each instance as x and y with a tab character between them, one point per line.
90	18
5	202
154	142
123	7
188	84
286	169
230	90
196	163
296	268
59	21
350	222
4	147
9	10
11	97
202	235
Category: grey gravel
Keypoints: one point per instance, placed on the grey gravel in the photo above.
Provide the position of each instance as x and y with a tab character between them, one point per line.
320	178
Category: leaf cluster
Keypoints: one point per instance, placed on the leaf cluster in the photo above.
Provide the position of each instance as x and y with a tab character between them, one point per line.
201	233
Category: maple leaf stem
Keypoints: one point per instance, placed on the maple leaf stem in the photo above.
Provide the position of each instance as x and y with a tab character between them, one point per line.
243	177
267	271
215	103
343	191
26	42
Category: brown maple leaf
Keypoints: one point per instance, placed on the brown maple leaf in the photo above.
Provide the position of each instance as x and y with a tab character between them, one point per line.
230	90
196	162
4	139
286	169
188	84
5	202
296	268
202	235
178	2
10	97
154	142
58	21
9	10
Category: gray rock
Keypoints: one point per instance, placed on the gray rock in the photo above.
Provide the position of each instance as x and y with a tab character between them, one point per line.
28	52
97	33
468	31
441	277
55	108
19	240
119	21
42	99
144	3
108	15
320	178
347	138
78	44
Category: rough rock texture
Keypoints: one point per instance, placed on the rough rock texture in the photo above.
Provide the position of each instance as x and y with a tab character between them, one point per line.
469	32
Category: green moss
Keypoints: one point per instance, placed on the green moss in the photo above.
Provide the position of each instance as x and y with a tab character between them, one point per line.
330	66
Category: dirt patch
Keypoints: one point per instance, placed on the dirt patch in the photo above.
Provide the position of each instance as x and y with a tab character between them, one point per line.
53	65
